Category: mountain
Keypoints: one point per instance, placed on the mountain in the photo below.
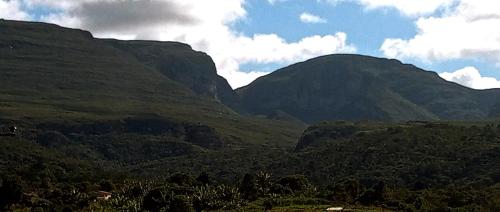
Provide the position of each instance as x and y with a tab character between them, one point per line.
141	118
180	63
355	87
55	75
58	65
48	69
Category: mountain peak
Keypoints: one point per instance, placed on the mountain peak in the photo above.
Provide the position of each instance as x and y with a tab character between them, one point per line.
358	87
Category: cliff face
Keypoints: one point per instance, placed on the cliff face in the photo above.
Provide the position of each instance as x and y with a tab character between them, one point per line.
175	60
68	69
51	74
181	63
51	71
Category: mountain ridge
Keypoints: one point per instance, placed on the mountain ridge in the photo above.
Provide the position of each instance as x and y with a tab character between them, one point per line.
329	87
56	74
357	87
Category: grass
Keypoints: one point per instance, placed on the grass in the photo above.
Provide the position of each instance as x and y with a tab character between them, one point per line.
56	74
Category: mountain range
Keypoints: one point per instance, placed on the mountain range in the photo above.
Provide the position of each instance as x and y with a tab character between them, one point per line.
80	114
47	69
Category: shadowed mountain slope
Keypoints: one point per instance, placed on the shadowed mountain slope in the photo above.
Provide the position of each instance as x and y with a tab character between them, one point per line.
51	73
47	69
354	87
180	63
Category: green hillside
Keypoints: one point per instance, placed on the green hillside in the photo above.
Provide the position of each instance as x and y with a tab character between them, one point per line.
50	73
354	87
152	123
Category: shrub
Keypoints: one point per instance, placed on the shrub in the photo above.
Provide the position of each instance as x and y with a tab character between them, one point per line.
248	187
180	203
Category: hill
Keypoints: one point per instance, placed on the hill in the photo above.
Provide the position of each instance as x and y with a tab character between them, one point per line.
422	164
180	63
52	74
140	118
50	71
355	87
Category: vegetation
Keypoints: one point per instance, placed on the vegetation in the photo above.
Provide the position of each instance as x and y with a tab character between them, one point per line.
96	116
406	166
357	87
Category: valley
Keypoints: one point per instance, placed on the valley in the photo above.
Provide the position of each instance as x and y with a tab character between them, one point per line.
154	124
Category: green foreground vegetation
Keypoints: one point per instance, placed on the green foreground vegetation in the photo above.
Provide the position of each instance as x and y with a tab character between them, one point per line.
373	166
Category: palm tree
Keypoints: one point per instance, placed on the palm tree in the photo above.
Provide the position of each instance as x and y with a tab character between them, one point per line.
263	183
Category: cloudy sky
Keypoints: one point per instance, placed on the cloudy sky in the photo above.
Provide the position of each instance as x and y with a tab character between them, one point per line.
460	39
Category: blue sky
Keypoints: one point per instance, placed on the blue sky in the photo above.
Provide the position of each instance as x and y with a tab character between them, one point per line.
366	29
250	38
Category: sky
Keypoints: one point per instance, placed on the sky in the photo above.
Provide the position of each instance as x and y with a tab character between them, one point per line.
459	39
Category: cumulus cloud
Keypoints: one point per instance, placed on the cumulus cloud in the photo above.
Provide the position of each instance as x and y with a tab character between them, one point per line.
205	25
241	79
406	7
12	10
465	31
410	8
116	16
470	77
306	17
270	48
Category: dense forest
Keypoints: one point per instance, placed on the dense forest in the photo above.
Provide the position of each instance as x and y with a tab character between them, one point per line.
367	165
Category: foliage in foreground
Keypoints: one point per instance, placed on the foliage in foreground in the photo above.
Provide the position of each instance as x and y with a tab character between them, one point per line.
403	167
182	192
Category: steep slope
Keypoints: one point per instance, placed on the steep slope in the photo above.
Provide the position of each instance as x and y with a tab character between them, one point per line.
180	63
47	69
354	87
51	74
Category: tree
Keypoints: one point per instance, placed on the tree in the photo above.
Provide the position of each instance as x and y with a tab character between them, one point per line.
157	199
11	191
248	188
106	185
182	179
180	203
263	183
373	195
294	182
203	179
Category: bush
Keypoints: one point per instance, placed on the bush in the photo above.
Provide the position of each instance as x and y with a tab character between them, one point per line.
296	183
203	179
180	203
248	187
182	179
106	185
216	198
11	191
157	199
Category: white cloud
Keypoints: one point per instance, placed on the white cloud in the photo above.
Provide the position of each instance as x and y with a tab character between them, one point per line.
306	17
406	7
467	31
12	10
409	7
241	79
275	1
205	25
270	48
470	77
